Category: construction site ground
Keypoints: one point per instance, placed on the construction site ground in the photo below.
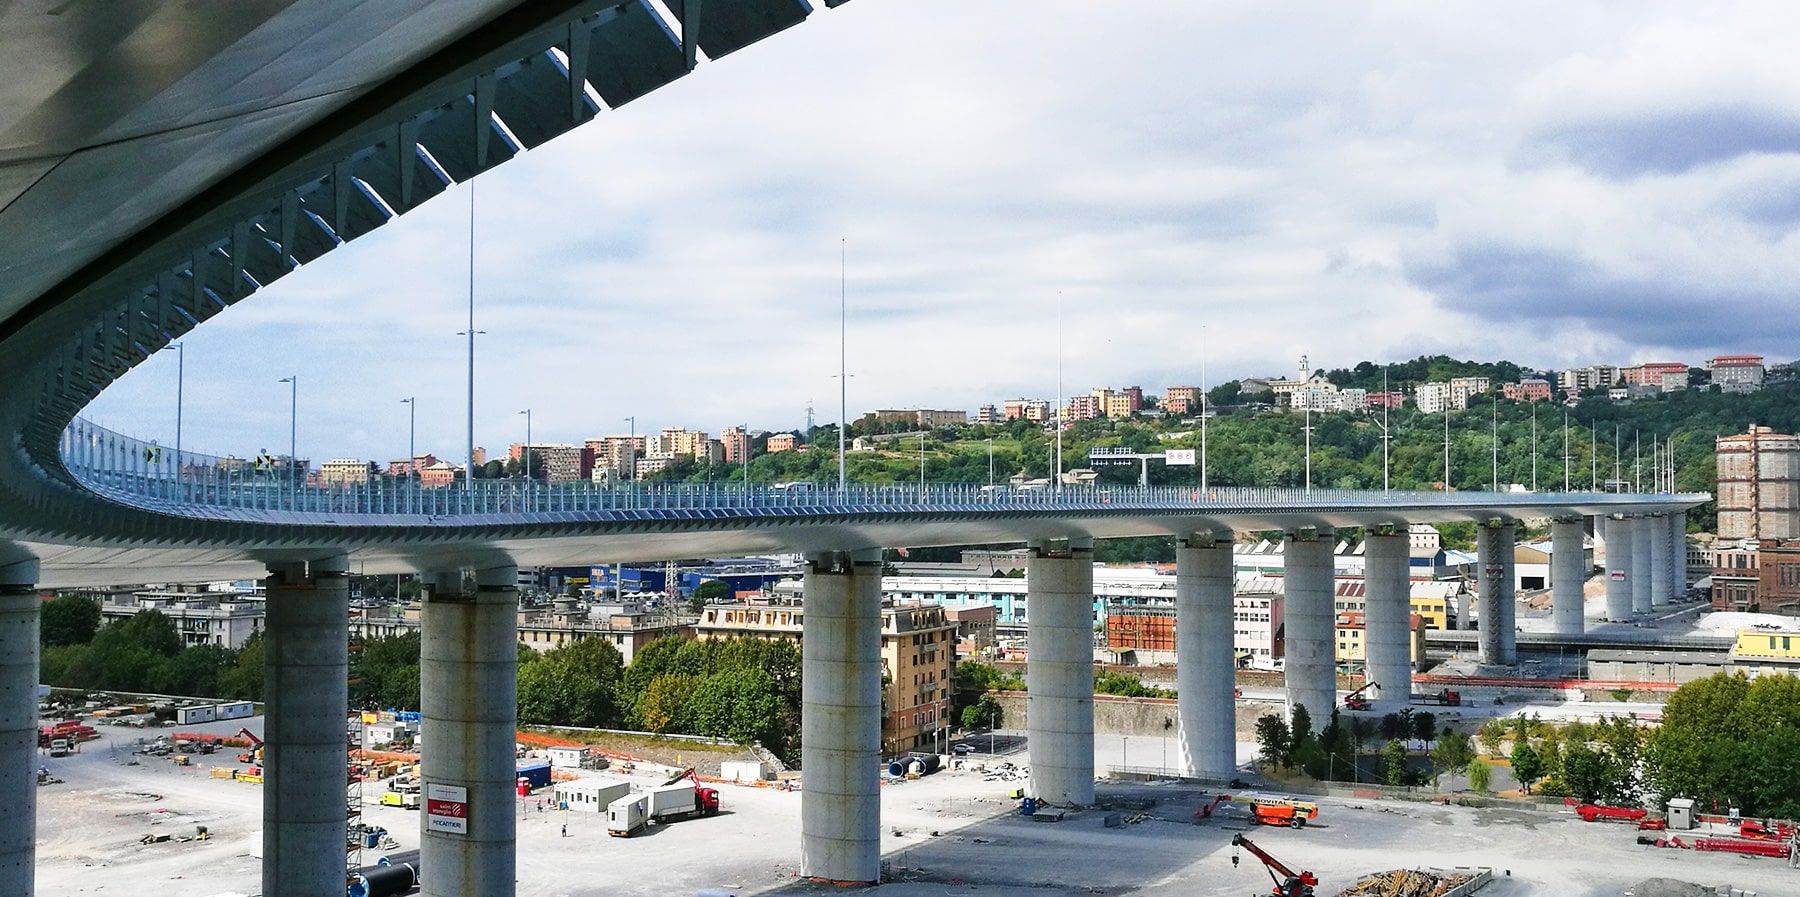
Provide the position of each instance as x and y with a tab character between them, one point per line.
956	832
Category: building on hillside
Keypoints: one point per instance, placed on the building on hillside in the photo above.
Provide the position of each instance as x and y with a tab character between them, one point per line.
987	415
1392	398
917	658
559	462
735	441
404	467
1084	408
202	615
1651	373
782	442
1578	380
1527	391
1759	485
1437	396
1188	397
1119	404
1737	373
1435	603
1036	410
441	474
339	473
615	457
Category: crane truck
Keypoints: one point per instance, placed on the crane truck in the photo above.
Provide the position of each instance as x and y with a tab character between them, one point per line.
255	753
678	798
1288	883
1355	700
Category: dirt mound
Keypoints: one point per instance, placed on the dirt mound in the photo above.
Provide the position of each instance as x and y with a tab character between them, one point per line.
1669	887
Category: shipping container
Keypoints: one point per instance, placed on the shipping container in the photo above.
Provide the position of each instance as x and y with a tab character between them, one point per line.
188	715
234	710
537	774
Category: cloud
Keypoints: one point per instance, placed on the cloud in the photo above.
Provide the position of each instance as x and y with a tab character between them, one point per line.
1556	186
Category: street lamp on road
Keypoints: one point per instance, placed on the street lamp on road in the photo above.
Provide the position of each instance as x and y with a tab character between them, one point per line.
293	382
412	426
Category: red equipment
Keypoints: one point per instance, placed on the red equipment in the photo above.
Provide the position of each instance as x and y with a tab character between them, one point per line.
1737	845
1759	832
1653	825
255	754
1288	883
1206	810
1598	813
1355	700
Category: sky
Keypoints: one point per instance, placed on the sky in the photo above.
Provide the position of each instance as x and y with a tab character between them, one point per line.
1156	193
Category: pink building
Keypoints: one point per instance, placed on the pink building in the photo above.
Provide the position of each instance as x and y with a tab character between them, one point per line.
1527	391
782	442
1390	399
1085	408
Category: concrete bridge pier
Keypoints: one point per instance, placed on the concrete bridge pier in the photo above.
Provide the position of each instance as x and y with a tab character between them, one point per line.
306	672
19	615
1643	570
1387	556
1205	660
840	718
1568	575
1059	673
1311	624
1662	573
468	679
1678	555
1618	567
1494	591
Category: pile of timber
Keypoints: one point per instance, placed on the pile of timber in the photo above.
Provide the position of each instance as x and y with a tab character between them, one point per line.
1408	883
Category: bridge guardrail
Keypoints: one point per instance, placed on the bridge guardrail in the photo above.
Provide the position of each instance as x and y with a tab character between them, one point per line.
152	476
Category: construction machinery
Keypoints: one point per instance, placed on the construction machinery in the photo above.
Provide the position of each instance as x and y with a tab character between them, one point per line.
1445	696
1355	700
1288	883
680	797
1206	809
1280	811
255	753
1599	813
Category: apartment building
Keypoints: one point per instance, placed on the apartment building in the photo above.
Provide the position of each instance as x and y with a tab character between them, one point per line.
1084	408
987	414
343	472
1599	376
1531	390
1437	396
735	443
917	659
782	442
1737	373
1025	409
225	619
559	462
615	456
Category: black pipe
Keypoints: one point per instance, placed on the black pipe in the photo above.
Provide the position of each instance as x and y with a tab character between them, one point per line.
395	859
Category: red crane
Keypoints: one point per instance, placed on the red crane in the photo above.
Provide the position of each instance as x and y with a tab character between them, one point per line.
1355	701
1288	883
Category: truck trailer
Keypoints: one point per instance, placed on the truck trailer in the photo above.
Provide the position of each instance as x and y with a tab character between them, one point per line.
679	798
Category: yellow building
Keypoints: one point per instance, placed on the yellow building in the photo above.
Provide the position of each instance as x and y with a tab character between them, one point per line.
918	649
1764	652
1352	641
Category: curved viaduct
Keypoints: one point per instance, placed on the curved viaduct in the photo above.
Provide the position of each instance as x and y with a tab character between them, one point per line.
161	162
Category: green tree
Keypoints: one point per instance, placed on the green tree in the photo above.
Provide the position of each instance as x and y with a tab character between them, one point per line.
1480	776
712	590
384	673
1393	763
1424	725
982	714
664	704
1393	726
1527	767
244	680
69	620
1490	735
1274	739
1452	753
573	685
1585	772
737	704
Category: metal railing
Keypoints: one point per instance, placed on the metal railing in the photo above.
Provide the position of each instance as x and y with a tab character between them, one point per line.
153	476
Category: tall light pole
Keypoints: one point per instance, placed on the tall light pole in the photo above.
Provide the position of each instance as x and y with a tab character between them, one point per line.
1308	429
1203	488
1496	407
746	458
180	372
1446	410
1565	450
469	477
843	358
293	382
1057	483
525	453
1387	435
412	429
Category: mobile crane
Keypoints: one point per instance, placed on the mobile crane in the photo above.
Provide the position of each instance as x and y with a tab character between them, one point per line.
1355	700
255	754
1288	883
